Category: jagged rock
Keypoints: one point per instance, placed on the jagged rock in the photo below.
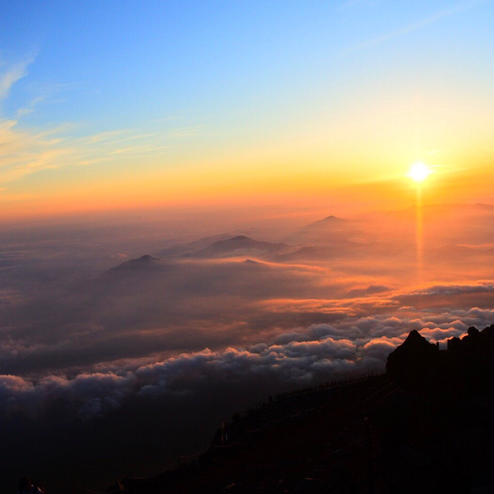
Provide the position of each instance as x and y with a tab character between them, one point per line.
467	361
413	359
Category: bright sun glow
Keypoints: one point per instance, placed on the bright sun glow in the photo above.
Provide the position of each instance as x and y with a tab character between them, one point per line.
419	171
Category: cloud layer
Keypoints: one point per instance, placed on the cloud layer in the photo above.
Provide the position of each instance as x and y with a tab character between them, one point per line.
314	354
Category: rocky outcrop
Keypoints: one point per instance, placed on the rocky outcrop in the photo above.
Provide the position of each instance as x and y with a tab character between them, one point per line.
466	362
414	360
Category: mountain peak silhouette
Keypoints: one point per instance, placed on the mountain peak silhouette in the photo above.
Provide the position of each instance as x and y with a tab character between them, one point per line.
416	339
413	358
144	262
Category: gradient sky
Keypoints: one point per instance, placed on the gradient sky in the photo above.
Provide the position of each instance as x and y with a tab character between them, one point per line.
124	104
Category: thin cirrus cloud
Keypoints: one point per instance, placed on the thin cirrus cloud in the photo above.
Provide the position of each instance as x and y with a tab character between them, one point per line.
13	73
26	151
416	26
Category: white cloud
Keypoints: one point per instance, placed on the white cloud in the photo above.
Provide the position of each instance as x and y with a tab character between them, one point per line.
13	73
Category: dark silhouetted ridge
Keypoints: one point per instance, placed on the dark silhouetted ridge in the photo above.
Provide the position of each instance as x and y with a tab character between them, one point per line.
431	433
413	359
466	362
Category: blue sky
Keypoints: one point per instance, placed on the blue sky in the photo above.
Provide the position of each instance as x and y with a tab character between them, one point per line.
104	62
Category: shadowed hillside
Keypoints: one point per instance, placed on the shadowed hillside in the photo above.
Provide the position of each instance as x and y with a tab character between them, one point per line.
424	426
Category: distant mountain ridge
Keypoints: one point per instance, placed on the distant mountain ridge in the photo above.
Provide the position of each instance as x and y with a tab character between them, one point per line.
330	230
330	220
223	246
188	248
144	262
239	245
321	239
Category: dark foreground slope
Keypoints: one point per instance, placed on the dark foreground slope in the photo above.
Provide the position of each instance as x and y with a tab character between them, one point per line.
425	426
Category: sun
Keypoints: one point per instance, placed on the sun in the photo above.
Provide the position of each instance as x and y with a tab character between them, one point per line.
419	171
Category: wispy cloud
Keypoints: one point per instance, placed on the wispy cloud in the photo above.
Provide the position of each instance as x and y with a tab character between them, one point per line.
415	26
24	151
107	135
12	74
184	132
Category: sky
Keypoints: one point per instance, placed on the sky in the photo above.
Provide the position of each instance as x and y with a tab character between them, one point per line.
116	105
